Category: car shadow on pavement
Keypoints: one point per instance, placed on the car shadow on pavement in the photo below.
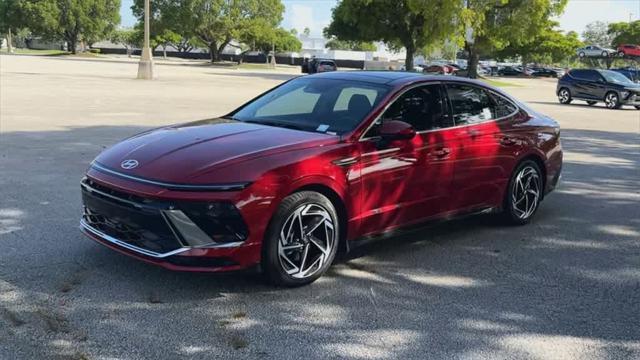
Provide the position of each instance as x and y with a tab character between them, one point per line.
564	285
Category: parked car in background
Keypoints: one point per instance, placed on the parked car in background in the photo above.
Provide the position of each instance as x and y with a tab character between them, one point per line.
302	172
595	50
314	65
593	86
543	72
632	73
513	71
440	70
629	50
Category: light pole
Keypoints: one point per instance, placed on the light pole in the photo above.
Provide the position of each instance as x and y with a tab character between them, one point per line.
145	66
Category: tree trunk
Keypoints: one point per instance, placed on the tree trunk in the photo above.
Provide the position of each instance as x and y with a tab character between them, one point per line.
408	61
472	62
9	41
213	53
524	66
71	44
164	51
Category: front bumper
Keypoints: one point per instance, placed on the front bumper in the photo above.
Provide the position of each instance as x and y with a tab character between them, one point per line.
177	235
632	100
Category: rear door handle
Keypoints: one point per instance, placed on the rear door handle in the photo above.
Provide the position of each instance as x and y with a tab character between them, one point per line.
508	141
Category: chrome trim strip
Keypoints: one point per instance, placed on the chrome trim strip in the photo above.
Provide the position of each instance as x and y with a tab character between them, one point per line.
85	226
170	186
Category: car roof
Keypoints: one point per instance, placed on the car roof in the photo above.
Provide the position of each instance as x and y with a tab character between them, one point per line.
387	77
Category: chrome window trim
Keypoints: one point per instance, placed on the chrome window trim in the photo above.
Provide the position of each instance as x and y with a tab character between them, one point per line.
85	226
518	108
178	187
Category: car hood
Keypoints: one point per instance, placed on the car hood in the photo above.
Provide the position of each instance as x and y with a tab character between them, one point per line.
186	153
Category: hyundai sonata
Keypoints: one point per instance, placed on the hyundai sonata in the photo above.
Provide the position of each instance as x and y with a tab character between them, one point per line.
315	166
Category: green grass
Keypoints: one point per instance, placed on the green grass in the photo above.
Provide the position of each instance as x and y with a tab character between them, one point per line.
36	52
497	83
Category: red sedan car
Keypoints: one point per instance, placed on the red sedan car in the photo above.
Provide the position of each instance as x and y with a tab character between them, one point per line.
629	50
312	166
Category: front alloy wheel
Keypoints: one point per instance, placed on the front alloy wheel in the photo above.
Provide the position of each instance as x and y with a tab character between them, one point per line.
564	96
302	239
612	101
524	193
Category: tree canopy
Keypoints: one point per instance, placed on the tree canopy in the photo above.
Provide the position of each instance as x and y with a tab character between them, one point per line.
493	25
412	24
214	22
597	33
624	32
337	44
71	20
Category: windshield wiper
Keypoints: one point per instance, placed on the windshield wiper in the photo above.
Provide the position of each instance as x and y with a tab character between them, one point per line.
276	124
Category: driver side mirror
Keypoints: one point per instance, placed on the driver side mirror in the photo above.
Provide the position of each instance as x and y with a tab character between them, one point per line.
396	130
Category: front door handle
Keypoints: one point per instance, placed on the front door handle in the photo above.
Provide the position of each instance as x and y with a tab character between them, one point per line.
441	153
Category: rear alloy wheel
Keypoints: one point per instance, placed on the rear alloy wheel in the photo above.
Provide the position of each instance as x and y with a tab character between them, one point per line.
564	96
591	103
611	100
621	53
605	54
302	239
581	54
524	193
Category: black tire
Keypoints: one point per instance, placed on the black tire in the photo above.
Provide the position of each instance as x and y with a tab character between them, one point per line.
273	266
612	100
591	103
564	96
605	54
621	53
510	207
637	107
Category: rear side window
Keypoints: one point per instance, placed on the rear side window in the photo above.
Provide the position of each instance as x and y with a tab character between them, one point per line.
503	107
470	104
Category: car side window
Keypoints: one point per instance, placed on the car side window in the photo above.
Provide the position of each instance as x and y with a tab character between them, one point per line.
423	107
592	75
470	104
503	107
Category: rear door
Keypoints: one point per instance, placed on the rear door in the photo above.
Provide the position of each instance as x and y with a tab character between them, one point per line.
485	157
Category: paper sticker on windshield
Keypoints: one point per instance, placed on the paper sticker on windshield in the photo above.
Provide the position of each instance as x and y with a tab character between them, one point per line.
322	128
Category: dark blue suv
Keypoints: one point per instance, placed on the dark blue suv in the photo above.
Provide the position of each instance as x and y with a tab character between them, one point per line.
592	86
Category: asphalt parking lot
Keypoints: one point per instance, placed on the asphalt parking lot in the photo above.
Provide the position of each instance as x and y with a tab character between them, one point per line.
566	286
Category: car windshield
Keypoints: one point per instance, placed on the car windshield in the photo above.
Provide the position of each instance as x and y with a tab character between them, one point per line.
615	77
332	106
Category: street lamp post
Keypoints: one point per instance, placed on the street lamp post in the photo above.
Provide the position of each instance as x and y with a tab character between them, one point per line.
145	66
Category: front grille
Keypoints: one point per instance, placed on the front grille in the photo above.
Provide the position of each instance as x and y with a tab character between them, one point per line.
140	224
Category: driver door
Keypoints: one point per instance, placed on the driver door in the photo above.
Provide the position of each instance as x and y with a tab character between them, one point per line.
406	181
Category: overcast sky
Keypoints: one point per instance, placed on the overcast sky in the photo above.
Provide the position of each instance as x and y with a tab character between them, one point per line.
316	14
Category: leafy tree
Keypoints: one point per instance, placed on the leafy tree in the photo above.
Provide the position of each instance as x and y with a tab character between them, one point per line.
412	24
10	19
337	44
306	32
72	20
492	25
624	32
165	38
294	32
548	46
128	38
597	33
264	38
213	22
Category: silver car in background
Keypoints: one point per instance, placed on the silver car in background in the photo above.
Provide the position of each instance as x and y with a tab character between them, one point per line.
595	50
